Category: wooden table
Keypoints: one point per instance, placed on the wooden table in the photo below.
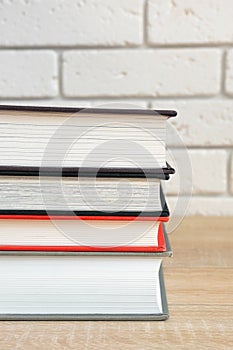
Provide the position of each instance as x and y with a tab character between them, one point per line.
199	282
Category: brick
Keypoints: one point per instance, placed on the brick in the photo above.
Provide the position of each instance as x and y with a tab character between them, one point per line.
47	102
180	72
119	103
204	206
197	172
229	73
61	23
231	174
28	74
199	123
190	22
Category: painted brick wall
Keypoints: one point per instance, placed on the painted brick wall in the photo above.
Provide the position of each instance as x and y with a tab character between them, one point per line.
157	54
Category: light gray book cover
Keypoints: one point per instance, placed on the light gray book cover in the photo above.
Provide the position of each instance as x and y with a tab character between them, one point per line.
161	316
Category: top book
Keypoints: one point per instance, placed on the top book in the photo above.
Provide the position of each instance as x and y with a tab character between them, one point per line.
85	140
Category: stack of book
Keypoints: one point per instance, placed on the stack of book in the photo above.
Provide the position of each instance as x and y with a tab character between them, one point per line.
82	213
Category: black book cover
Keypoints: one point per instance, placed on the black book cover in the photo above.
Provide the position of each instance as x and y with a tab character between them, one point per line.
85	213
162	173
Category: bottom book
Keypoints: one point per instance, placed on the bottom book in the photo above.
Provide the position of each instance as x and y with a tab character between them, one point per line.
82	287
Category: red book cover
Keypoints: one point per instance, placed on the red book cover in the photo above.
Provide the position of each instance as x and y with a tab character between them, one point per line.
160	248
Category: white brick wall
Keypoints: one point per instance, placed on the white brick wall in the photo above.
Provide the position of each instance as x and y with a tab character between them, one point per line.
231	174
71	23
189	22
201	123
121	72
142	53
209	169
28	74
229	72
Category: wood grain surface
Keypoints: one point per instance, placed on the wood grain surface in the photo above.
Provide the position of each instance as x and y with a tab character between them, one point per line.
199	282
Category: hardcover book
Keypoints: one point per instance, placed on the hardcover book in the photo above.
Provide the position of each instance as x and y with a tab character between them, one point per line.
82	197
93	140
80	235
82	286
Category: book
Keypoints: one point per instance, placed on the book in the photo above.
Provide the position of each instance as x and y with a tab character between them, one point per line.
79	235
86	140
82	213
82	287
83	197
